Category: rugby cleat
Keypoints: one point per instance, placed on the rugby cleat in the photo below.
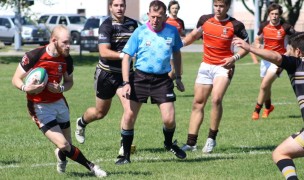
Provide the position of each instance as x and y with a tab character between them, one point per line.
266	112
209	146
79	132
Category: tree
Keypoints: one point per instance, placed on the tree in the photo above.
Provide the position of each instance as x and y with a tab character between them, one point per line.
293	8
18	6
24	4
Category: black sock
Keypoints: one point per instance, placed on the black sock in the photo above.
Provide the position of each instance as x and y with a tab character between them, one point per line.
258	108
288	169
212	134
127	139
61	155
192	139
121	140
82	123
268	104
168	133
76	155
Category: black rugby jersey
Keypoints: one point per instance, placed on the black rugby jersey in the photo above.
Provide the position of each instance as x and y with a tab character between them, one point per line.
295	69
116	34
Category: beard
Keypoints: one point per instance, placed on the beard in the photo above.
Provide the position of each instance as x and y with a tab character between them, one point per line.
61	51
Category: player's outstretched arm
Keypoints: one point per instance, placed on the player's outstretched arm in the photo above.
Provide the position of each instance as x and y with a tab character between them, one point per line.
271	56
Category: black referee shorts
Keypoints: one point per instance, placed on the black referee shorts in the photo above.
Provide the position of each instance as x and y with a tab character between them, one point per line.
159	87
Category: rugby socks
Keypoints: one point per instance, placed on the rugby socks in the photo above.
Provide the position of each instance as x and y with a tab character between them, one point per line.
61	155
288	169
212	134
168	133
76	155
258	108
82	123
192	139
127	139
268	104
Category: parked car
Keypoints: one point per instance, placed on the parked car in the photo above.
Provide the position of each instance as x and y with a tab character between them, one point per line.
31	32
89	34
74	23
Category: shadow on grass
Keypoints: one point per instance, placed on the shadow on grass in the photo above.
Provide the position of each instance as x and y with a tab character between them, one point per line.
218	150
84	60
185	95
246	149
205	157
294	116
9	162
132	173
88	174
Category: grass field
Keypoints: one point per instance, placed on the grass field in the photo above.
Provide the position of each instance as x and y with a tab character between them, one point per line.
243	146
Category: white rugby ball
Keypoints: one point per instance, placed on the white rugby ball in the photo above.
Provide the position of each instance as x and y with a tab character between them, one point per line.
38	74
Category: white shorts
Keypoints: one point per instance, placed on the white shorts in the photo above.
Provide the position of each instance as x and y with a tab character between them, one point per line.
207	73
268	66
47	112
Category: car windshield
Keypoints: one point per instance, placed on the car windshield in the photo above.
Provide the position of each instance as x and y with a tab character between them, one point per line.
43	19
92	23
77	19
25	21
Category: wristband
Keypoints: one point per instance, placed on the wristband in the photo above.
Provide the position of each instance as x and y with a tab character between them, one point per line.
236	57
121	55
179	77
183	43
125	83
61	89
23	88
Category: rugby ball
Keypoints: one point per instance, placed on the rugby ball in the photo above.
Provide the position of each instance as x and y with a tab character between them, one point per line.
38	74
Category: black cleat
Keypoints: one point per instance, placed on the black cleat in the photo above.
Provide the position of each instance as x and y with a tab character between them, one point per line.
122	160
176	150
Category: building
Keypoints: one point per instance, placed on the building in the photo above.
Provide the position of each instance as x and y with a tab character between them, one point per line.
190	10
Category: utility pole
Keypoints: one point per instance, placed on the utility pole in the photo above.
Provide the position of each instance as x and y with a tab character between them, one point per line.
256	17
18	27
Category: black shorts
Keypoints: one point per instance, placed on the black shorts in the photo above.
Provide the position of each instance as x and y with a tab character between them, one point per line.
106	83
158	87
299	137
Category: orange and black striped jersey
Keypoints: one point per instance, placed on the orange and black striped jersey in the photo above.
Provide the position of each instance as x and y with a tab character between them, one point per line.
274	36
55	67
218	35
178	23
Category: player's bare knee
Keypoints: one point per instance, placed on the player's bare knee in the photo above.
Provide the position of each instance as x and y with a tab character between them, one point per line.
197	106
170	124
65	146
216	101
100	114
129	115
275	156
265	87
169	121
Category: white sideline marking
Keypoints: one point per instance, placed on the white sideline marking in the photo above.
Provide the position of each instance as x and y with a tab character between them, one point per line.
138	159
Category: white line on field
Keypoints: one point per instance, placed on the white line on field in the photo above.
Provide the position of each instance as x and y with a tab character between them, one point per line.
138	159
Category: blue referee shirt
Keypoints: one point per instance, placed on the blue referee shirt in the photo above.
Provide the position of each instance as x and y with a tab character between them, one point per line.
153	49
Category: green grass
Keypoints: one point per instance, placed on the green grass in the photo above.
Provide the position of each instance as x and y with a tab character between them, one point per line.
243	146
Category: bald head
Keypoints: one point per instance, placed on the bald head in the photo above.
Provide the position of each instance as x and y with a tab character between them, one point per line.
60	32
60	40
